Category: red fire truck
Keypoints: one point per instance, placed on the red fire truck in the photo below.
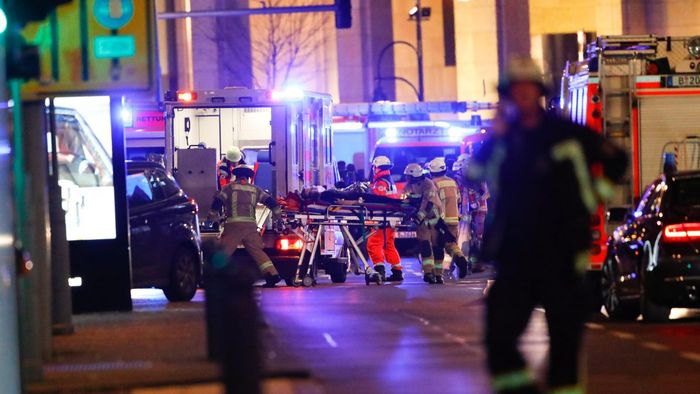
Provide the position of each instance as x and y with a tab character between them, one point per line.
643	92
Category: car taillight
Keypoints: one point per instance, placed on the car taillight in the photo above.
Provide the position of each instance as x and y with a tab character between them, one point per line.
285	244
682	232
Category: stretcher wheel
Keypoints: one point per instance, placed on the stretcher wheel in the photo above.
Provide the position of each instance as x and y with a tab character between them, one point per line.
308	281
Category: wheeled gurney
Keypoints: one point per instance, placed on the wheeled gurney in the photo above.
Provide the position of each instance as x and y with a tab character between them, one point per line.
354	220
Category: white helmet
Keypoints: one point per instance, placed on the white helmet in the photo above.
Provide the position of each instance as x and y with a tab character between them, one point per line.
380	161
413	170
234	154
437	165
460	162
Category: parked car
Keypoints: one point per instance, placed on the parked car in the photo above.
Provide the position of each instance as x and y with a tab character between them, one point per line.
653	261
165	239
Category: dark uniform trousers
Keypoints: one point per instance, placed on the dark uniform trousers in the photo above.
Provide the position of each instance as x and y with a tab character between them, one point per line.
521	285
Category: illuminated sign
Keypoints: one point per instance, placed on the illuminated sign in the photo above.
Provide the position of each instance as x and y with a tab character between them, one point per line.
422	132
148	120
110	47
84	153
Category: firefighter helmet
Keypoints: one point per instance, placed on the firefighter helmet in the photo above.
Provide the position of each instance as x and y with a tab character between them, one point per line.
413	170
243	171
522	69
234	154
437	165
381	161
460	162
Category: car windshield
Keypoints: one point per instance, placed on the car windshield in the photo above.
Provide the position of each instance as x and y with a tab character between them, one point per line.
685	193
401	156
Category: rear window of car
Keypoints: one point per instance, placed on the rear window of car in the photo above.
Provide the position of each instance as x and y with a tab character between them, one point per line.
685	192
138	190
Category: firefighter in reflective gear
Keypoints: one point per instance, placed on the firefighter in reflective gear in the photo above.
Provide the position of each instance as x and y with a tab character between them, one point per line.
464	219
380	245
239	199
448	191
430	211
225	166
538	231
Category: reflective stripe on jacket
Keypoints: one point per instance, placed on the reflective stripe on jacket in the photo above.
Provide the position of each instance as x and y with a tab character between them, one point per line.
448	191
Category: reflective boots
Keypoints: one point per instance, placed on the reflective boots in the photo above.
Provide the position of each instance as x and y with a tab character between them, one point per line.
396	276
429	277
381	271
465	266
271	280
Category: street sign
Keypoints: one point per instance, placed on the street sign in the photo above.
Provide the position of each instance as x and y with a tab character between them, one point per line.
113	14
109	47
95	47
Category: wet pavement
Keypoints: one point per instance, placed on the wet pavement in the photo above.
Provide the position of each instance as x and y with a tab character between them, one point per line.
352	338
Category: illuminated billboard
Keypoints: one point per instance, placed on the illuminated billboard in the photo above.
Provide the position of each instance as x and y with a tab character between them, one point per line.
85	172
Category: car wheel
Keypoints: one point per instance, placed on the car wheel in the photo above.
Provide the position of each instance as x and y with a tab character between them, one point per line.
617	308
184	276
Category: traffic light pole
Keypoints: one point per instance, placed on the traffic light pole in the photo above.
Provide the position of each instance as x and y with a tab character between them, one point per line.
419	51
9	333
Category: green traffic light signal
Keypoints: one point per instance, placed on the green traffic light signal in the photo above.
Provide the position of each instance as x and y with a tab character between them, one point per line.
3	21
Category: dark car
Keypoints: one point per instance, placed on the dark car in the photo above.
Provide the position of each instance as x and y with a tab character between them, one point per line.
653	261
165	240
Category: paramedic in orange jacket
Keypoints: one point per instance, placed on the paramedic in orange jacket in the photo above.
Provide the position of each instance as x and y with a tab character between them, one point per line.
380	245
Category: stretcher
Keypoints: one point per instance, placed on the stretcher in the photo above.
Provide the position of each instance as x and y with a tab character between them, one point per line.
355	222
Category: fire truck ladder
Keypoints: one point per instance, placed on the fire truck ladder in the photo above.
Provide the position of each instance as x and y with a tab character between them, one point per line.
620	60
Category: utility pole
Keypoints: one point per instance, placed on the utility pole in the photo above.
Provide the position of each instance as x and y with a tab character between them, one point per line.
419	50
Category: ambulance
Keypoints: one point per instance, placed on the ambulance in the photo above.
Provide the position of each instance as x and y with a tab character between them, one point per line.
642	92
286	135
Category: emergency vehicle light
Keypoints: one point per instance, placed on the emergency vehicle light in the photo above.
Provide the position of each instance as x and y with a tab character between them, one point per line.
287	94
391	133
401	124
186	96
286	244
347	126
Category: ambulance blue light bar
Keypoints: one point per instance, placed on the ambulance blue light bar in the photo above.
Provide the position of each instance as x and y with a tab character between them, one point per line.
405	124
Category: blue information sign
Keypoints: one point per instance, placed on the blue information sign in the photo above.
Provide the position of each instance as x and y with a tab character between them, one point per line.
113	14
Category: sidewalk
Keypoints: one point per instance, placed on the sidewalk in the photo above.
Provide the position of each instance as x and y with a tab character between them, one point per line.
159	348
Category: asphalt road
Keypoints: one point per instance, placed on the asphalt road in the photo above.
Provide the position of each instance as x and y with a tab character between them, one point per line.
419	338
352	338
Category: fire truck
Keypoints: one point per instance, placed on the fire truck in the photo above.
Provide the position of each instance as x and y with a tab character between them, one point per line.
643	92
286	135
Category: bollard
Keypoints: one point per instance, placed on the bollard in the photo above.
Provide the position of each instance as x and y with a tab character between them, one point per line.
232	319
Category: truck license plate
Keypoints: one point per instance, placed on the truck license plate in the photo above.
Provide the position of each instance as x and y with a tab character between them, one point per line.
684	81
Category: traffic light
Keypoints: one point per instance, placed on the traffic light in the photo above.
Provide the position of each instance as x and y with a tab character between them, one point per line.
22	58
343	14
20	12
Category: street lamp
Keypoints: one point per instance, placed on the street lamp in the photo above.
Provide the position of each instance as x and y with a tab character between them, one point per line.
418	13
